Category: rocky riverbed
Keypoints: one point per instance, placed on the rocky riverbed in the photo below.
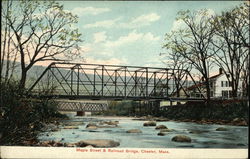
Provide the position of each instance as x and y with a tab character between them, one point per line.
141	133
234	122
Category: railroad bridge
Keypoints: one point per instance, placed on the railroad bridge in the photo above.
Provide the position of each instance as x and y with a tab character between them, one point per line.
112	82
81	106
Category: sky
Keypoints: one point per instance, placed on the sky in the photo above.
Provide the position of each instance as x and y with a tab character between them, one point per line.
131	32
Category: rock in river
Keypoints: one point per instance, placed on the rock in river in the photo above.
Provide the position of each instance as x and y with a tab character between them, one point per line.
161	127
161	134
70	127
150	123
111	122
91	124
221	129
181	138
134	131
98	143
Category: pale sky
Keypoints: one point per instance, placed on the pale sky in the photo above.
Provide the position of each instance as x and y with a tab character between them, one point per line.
131	32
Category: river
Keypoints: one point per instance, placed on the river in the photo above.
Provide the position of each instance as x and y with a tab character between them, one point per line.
204	136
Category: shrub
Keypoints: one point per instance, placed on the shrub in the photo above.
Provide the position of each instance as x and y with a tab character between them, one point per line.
20	116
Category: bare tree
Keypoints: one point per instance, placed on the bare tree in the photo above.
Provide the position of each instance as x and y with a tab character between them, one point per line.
8	54
194	42
43	31
173	59
231	37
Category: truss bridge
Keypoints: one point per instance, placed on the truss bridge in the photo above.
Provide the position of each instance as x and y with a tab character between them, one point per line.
85	106
112	82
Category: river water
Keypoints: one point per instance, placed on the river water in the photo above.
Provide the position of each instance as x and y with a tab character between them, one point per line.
207	137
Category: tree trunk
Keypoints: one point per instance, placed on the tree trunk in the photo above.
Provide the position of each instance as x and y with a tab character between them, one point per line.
208	90
23	79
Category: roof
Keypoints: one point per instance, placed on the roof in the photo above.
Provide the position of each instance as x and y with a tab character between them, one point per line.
203	83
215	76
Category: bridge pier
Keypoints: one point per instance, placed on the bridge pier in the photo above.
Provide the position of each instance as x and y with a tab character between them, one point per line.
80	113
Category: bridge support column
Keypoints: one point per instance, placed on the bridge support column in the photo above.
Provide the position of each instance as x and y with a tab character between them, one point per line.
80	113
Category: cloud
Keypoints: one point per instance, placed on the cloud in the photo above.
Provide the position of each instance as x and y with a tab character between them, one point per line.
133	42
131	38
104	24
137	22
112	61
142	20
99	37
89	11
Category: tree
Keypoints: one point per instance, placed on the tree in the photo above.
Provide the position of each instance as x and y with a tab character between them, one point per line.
231	34
180	66
43	31
8	54
194	42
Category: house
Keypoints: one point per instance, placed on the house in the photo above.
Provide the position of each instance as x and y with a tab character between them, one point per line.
220	87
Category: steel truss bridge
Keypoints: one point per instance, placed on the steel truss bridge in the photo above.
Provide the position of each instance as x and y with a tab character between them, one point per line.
112	82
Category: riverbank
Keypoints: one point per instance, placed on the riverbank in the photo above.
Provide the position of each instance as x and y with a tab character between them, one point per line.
217	112
234	122
51	124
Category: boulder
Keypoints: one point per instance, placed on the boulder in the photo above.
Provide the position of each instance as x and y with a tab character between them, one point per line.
70	145
91	124
150	123
134	131
98	143
221	129
235	120
55	129
89	146
161	127
181	138
161	134
111	122
70	127
242	123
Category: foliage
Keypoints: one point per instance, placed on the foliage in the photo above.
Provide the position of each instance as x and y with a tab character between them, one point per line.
20	116
42	31
231	37
120	108
216	111
205	40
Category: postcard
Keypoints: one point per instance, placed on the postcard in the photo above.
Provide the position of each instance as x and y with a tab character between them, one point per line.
124	79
